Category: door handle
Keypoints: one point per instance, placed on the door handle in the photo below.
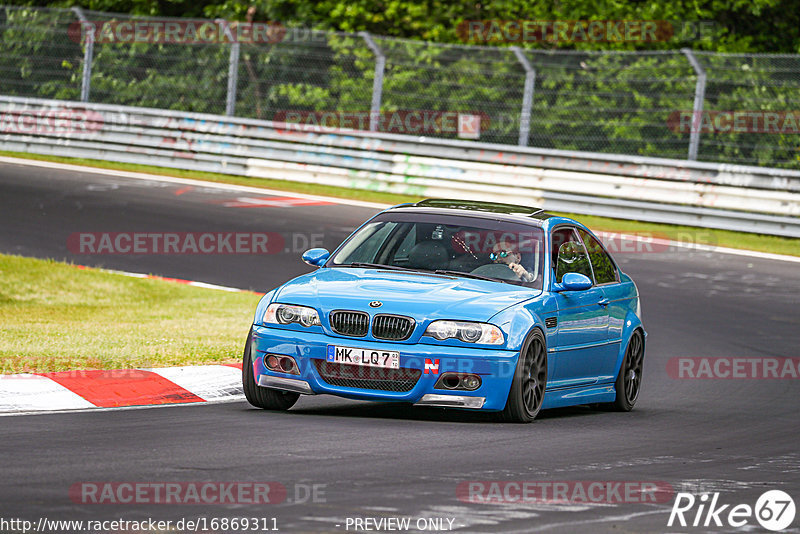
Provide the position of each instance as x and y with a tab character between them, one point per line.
604	302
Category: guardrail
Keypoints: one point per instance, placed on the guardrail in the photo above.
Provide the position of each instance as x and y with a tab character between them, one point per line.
733	197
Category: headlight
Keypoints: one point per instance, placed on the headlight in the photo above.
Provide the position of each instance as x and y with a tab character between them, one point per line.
288	314
483	333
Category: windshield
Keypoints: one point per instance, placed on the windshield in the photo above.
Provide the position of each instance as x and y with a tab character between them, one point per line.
466	246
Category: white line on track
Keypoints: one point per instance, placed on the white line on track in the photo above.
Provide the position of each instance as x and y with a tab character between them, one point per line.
346	202
175	280
574	526
93	409
185	181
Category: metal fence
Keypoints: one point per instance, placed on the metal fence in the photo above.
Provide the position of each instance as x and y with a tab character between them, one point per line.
610	102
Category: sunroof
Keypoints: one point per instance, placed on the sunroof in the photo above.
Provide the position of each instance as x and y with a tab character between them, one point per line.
490	207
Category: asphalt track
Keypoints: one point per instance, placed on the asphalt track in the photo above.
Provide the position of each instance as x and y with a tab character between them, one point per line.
738	437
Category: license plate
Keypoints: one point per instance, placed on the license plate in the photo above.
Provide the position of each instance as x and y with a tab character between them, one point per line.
387	359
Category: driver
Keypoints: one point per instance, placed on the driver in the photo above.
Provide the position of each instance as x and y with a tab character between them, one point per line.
507	253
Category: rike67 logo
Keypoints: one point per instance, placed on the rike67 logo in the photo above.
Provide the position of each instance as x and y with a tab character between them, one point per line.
774	510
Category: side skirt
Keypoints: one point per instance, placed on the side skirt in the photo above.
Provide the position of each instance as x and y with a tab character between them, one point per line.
578	395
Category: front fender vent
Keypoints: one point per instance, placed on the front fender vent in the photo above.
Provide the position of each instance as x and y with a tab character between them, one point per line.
551	322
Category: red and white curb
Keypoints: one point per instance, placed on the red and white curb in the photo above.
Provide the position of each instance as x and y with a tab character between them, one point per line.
91	389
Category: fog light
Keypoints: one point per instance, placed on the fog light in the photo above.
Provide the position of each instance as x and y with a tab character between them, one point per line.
281	364
470	382
458	381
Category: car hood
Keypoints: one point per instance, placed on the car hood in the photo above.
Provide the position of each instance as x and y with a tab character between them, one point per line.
418	295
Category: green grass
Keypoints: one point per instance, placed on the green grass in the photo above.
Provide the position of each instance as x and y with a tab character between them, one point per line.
693	235
57	317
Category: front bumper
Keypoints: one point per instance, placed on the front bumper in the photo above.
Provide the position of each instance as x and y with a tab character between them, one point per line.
495	367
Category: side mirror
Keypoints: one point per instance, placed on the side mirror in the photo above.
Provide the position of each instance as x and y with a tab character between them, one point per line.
316	256
573	282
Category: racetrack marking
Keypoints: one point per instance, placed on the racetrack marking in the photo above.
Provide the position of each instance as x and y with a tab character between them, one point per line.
166	279
184	181
272	202
29	392
64	391
109	389
703	248
93	409
467	517
582	522
340	201
60	392
475	517
207	381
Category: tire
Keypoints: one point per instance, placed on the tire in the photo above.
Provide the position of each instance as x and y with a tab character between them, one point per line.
530	380
629	378
266	398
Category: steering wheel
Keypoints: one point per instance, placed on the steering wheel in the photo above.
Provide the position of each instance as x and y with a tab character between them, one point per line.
496	270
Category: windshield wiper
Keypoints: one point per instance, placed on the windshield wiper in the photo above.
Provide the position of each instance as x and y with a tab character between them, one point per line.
468	275
376	266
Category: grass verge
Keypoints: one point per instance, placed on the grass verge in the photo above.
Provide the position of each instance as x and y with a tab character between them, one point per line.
688	234
56	317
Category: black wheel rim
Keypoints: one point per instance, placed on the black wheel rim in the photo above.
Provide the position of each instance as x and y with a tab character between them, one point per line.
633	368
535	377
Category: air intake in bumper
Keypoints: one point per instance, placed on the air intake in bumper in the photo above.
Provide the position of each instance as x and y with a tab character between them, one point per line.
360	377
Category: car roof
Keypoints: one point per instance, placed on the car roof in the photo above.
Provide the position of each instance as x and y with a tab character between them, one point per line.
474	208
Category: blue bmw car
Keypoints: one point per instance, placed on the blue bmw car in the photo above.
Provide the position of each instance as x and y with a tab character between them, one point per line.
455	304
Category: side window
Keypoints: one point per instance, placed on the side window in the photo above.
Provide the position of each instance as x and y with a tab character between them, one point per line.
559	237
569	256
604	269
